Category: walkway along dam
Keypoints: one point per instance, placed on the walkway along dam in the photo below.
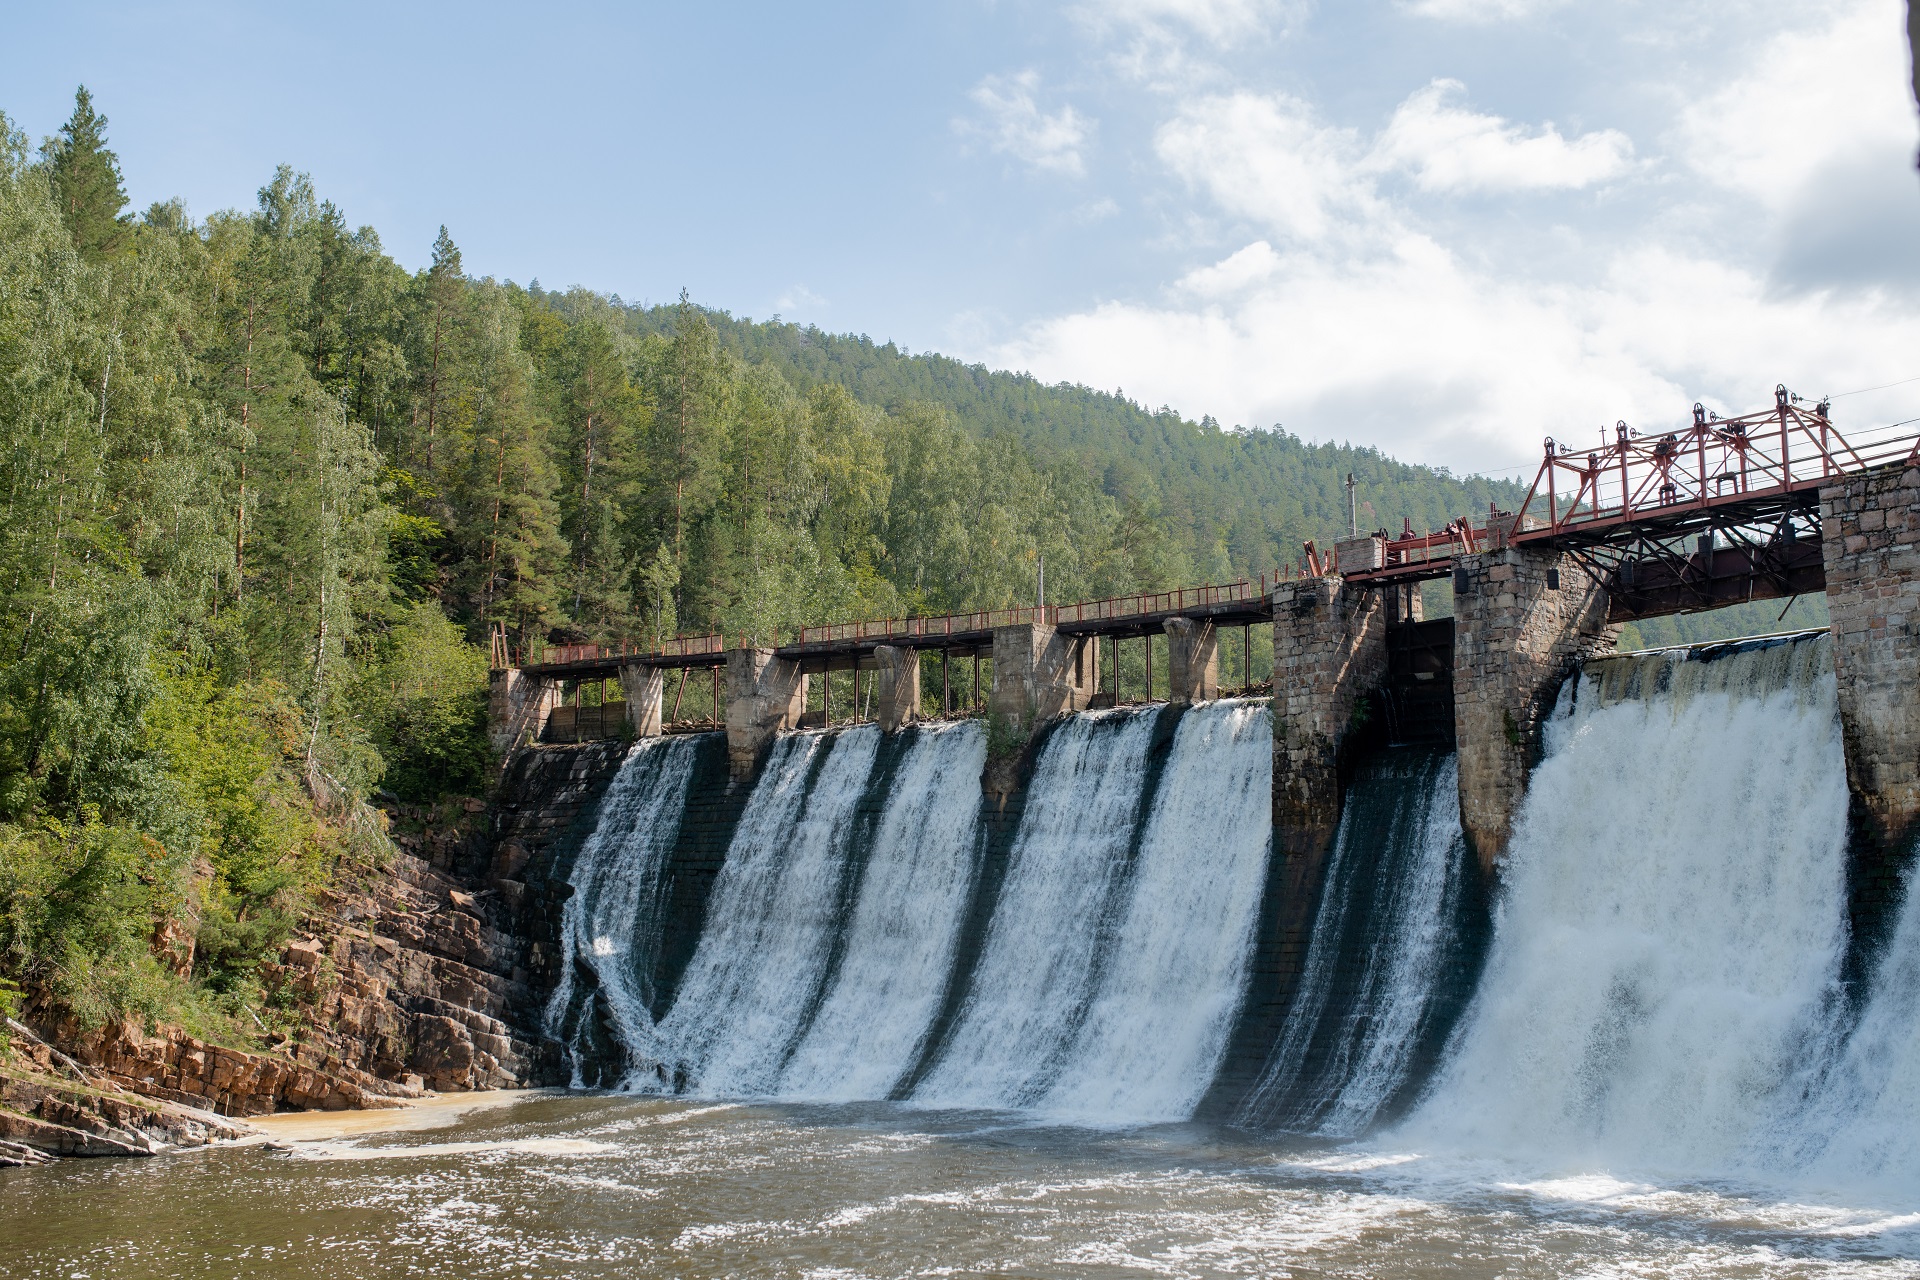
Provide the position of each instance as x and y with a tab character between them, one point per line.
1478	876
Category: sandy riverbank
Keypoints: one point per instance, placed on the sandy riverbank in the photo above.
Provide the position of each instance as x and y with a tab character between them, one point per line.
431	1112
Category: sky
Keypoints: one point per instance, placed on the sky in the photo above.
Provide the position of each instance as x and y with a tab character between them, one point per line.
1446	228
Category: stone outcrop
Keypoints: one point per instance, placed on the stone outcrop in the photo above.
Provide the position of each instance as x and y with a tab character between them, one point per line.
1522	619
51	1105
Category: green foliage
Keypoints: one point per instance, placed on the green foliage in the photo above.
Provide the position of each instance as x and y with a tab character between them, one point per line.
267	493
424	697
86	180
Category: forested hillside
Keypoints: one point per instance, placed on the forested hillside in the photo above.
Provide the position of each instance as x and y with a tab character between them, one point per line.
268	492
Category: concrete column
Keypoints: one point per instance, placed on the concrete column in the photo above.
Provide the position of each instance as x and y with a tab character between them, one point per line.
517	708
1870	534
897	687
1038	674
1329	655
642	687
765	694
1516	636
1193	660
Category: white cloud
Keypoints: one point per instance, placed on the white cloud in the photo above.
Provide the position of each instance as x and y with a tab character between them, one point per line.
1480	11
1811	100
1230	275
1268	159
1218	21
1434	362
1450	148
1349	312
1013	124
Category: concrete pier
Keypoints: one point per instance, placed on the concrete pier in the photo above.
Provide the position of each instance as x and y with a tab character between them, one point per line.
1193	660
1329	655
642	687
897	687
765	695
1870	531
1038	674
1522	619
517	708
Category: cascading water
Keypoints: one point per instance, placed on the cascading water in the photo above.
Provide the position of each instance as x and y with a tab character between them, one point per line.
899	943
1072	855
1667	950
1115	944
612	924
776	910
1175	968
1391	955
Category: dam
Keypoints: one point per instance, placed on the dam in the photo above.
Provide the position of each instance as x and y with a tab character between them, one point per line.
1474	878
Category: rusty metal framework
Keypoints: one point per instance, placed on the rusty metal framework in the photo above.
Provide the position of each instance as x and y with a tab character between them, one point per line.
1751	465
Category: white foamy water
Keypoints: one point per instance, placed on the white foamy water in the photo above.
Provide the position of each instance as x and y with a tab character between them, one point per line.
1668	943
1033	980
1174	980
1861	1127
774	913
900	941
612	922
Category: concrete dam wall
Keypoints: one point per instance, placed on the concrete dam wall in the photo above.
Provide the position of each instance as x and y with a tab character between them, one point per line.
1678	979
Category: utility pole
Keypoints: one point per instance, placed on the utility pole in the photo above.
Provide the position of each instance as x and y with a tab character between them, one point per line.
1353	512
1040	591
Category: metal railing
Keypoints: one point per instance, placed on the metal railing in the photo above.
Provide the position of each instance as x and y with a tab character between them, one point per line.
1143	605
1712	462
556	655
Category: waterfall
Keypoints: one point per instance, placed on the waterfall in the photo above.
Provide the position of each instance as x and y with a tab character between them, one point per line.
1667	950
1158	1024
612	924
1115	958
1391	942
775	913
900	940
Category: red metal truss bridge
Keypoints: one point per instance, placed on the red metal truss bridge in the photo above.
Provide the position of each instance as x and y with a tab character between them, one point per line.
1717	512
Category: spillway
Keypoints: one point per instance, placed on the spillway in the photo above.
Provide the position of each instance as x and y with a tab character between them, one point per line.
1665	979
1668	949
879	929
1395	948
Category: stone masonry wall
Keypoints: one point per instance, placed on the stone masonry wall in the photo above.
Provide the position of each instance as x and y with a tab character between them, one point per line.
1329	655
1871	534
1515	638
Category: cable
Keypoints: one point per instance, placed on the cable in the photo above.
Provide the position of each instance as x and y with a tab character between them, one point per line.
1882	387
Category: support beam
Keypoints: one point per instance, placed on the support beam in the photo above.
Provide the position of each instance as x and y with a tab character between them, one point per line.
1193	660
1870	531
765	695
1515	638
642	686
897	677
517	708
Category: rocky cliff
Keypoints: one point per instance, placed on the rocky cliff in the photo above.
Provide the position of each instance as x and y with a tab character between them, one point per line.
429	973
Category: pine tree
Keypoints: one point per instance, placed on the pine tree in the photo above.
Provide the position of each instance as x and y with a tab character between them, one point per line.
443	294
86	177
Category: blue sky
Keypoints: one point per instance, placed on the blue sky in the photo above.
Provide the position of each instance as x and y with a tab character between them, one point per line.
1446	227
